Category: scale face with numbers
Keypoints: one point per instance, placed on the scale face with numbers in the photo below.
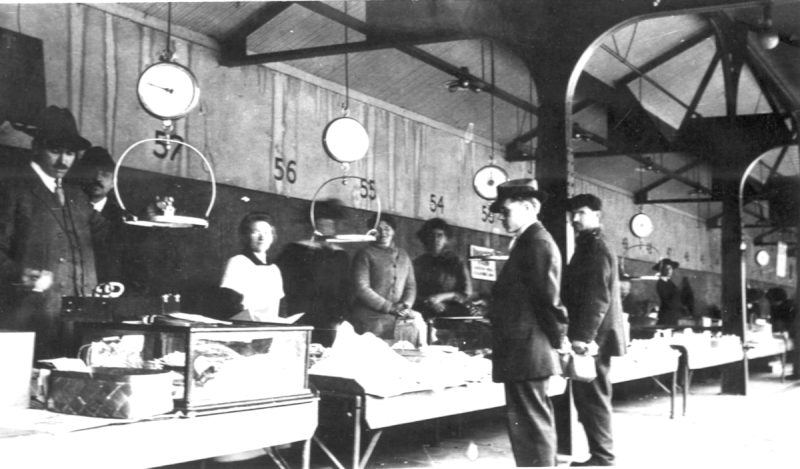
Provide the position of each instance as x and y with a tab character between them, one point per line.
487	179
168	90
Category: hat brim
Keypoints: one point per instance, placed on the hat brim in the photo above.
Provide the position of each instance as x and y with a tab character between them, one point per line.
497	205
657	266
72	142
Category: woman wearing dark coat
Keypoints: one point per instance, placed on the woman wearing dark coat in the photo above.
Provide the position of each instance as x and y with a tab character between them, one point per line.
671	308
316	276
443	281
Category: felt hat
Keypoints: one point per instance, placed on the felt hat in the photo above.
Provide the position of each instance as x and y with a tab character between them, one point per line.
98	158
57	128
517	188
658	265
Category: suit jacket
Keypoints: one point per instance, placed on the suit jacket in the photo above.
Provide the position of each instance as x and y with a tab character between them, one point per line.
528	319
591	294
36	233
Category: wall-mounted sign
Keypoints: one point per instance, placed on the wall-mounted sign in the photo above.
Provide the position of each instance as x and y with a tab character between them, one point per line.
780	265
482	269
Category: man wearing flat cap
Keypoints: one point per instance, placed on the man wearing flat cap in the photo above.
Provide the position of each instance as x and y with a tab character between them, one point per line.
592	297
529	323
45	237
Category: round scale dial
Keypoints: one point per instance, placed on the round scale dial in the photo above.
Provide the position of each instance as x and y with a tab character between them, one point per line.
487	179
168	90
345	140
762	258
641	225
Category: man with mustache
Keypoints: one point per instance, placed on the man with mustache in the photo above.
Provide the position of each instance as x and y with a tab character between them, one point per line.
591	294
94	172
45	234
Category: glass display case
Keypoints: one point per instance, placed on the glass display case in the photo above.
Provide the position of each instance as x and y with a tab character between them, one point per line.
215	367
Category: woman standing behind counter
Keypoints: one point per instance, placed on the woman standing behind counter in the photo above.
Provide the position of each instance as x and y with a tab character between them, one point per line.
443	282
252	288
384	286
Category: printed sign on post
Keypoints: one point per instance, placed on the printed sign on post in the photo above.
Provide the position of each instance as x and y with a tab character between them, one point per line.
780	267
482	269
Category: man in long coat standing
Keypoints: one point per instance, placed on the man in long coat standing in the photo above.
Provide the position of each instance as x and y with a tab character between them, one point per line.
529	323
45	234
591	293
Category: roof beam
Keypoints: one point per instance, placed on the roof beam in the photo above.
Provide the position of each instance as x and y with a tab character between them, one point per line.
664	180
419	54
335	49
644	76
693	40
234	44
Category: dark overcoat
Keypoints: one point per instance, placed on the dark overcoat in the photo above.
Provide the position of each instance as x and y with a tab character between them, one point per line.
591	294
528	319
36	233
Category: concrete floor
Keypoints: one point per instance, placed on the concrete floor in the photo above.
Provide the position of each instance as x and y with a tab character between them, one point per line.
758	430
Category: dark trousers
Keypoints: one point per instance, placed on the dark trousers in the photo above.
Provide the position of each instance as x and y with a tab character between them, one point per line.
531	426
593	402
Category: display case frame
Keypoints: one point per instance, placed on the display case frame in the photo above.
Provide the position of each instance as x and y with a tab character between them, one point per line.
160	340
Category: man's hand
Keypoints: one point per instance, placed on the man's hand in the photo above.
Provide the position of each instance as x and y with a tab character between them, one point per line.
583	348
36	280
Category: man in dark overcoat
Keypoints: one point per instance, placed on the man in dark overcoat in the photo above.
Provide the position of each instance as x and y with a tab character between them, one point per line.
45	234
592	297
529	323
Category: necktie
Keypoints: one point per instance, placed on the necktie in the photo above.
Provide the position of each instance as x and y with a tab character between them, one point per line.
60	193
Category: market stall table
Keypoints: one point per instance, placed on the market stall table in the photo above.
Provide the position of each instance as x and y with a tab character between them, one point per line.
778	344
142	444
379	413
700	351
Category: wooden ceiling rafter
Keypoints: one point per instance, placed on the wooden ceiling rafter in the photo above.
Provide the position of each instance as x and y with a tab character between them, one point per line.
688	43
419	54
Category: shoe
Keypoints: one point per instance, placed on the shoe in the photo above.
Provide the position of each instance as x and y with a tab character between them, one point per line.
592	462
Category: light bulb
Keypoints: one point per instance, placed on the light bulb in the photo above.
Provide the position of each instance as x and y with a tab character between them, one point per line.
768	38
469	134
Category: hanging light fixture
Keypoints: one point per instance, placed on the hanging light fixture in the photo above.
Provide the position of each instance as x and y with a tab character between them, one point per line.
768	35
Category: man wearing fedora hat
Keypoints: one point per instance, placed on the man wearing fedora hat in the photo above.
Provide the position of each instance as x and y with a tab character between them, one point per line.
592	296
671	307
529	323
45	233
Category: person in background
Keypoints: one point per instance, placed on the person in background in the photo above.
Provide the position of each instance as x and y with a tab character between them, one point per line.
753	297
443	281
251	287
782	310
384	288
45	234
671	308
593	300
94	172
529	323
316	275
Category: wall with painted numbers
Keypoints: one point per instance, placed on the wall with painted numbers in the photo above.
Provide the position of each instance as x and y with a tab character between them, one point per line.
261	129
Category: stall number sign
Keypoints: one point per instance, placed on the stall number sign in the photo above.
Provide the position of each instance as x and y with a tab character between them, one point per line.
482	269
